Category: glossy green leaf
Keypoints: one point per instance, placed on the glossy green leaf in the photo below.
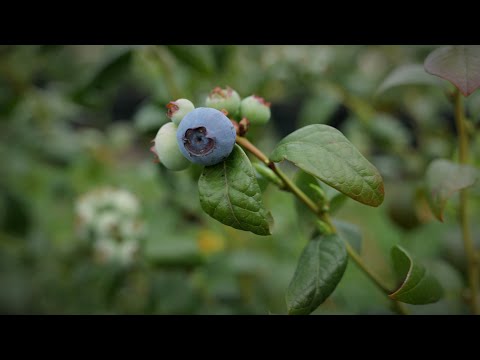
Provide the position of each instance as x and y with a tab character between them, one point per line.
229	192
417	286
319	270
459	64
411	74
443	178
326	153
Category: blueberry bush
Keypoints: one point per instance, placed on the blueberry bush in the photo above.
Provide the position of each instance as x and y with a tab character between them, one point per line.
239	179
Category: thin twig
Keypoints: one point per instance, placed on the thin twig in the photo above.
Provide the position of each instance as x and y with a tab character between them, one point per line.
463	214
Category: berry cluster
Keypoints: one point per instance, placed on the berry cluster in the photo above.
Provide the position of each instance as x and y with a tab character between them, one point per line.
206	135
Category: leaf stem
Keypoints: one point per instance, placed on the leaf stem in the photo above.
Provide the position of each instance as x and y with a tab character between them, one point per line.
463	214
356	258
294	189
290	185
247	145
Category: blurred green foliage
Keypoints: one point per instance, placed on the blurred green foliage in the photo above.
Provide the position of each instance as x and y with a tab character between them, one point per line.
77	118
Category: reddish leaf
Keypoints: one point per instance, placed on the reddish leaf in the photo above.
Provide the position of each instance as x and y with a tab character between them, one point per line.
458	64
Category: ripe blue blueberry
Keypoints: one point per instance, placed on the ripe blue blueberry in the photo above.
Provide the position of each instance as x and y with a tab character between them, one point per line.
206	136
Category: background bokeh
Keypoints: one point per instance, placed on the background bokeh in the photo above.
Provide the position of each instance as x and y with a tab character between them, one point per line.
76	123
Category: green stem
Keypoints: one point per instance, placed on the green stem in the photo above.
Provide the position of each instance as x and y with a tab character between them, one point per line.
356	258
290	185
472	263
294	189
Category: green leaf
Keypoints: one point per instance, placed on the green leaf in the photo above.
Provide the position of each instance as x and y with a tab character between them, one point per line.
326	153
443	178
15	217
350	233
318	108
198	57
411	74
107	73
229	192
174	252
389	133
319	270
417	285
336	202
459	64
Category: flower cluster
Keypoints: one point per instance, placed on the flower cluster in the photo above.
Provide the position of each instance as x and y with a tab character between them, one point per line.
110	219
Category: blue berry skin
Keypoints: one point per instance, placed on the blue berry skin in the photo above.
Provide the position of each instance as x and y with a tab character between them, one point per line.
206	136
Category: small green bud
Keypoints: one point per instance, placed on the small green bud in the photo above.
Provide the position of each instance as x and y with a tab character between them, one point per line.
178	109
224	99
255	109
167	150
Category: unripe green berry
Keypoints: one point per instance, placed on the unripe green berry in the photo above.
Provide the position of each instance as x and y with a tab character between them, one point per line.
255	109
224	99
167	150
178	109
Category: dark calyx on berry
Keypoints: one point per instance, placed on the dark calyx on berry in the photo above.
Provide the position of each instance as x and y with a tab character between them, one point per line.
172	109
197	142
